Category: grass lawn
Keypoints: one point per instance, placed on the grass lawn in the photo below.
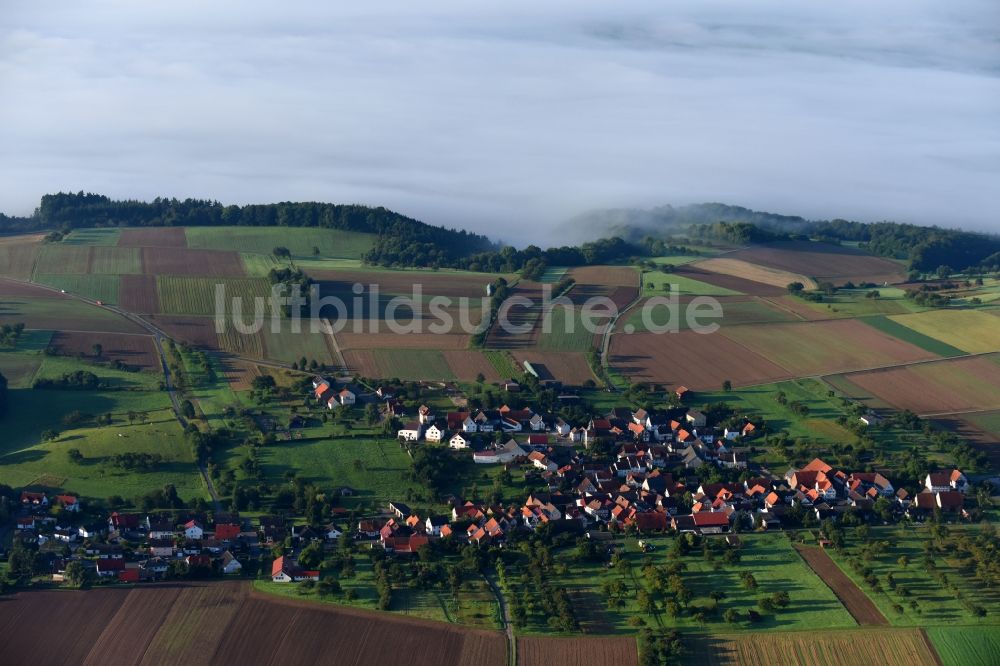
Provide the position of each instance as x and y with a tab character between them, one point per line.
96	287
417	364
770	557
895	329
301	241
93	237
56	366
677	259
48	464
936	605
970	330
966	646
660	282
20	364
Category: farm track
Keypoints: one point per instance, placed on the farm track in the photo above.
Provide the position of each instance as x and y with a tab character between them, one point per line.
508	626
857	603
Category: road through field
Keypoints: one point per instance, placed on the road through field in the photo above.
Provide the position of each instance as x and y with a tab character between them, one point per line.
508	626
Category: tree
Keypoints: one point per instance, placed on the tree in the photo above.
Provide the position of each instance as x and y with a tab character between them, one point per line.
727	386
311	556
187	409
281	252
77	574
731	616
74	455
98	350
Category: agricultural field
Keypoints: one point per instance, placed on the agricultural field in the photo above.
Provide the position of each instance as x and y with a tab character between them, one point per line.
570	368
57	258
891	647
905	334
745	270
700	362
550	651
502	364
102	288
97	236
846	304
972	331
17	260
420	364
20	364
115	260
137	351
197	295
857	604
162	261
940	387
242	344
823	261
658	283
813	348
230	623
300	241
138	293
196	331
153	237
469	364
567	331
347	338
736	310
289	347
966	646
733	283
62	313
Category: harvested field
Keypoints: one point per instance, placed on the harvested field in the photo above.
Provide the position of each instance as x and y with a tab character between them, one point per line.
349	340
138	351
362	362
732	283
822	347
153	237
547	651
891	647
619	283
241	344
736	310
224	623
570	368
972	331
700	362
755	273
138	293
181	261
855	601
17	260
56	258
238	373
468	364
115	260
823	261
196	331
955	385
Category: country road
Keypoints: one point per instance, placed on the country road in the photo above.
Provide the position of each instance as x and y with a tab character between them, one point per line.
508	626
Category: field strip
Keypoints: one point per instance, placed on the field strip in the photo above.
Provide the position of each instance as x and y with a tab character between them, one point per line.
930	647
857	603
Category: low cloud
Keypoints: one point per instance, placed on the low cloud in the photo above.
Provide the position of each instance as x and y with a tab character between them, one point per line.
510	119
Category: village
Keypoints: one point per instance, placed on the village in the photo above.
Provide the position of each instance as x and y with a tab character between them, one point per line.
626	471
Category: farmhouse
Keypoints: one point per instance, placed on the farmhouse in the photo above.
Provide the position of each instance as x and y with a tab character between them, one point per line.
434	434
459	441
283	570
411	432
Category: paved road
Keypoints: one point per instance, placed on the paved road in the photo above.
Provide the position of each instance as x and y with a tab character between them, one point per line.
508	626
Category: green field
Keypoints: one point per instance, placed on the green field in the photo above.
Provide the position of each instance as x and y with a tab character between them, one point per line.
290	347
558	339
116	260
196	296
936	606
753	311
17	260
93	237
57	258
686	286
966	646
897	330
96	287
553	274
61	314
259	265
854	304
419	364
973	331
502	363
988	421
301	241
118	380
18	368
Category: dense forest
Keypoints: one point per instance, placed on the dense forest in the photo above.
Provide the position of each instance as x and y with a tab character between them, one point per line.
404	241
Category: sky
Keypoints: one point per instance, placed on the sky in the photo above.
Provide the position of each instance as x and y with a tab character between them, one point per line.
508	118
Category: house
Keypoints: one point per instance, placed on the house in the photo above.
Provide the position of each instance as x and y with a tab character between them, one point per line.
283	570
561	428
34	499
425	415
433	524
123	522
230	565
695	418
227	531
542	462
331	533
69	503
502	454
536	423
940	482
320	387
870	419
110	567
346	398
411	431
194	530
711	522
434	434
682	392
749	430
400	510
161	547
460	441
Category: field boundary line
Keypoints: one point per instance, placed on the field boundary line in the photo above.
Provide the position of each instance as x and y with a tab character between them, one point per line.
930	646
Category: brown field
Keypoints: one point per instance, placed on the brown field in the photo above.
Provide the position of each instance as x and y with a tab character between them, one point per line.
468	364
546	651
773	277
362	362
519	316
619	283
889	647
347	340
823	347
730	281
137	293
153	237
17	260
134	350
197	331
182	261
224	623
471	285
700	362
940	387
10	288
238	373
823	261
570	368
855	601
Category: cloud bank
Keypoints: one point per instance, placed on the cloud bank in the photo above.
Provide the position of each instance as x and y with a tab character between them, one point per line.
509	118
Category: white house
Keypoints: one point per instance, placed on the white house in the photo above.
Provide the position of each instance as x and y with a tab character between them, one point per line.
230	565
434	434
501	454
331	533
410	432
695	418
459	441
537	423
347	397
433	525
542	462
941	482
510	425
193	530
561	428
